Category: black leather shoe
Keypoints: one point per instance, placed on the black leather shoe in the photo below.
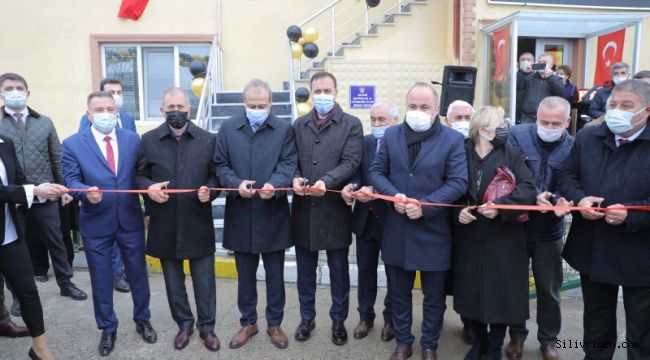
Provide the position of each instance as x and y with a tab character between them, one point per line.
107	343
339	334
303	332
41	278
32	354
72	291
15	309
387	333
120	284
147	332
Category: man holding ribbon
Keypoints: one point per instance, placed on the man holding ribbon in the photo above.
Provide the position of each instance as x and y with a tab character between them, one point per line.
104	157
179	155
609	168
256	150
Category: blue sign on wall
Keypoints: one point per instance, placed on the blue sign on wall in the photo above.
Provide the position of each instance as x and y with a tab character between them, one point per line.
362	96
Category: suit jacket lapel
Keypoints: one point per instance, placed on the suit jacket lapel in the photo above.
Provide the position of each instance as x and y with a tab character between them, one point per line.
427	146
92	144
121	148
401	144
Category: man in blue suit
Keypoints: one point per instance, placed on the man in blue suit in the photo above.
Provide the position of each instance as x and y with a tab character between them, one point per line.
126	122
419	161
105	157
368	225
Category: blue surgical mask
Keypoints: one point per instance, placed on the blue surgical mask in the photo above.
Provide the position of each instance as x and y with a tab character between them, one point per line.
323	103
256	117
119	100
15	99
378	131
104	121
620	121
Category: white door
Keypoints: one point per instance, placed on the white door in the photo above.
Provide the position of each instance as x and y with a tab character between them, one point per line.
561	49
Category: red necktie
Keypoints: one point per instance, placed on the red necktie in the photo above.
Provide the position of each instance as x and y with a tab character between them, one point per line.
110	155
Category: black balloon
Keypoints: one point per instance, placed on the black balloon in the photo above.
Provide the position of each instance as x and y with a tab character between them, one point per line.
294	33
310	50
302	94
372	3
197	68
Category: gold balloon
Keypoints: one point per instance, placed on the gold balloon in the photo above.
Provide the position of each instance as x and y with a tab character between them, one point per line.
303	108
301	41
197	86
296	50
310	34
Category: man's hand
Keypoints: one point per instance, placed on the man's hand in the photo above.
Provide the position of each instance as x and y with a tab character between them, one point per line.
547	72
318	189
204	194
465	216
615	216
147	218
66	199
299	185
347	195
413	209
246	189
542	200
157	196
562	202
362	194
267	191
94	197
400	204
487	212
50	191
590	201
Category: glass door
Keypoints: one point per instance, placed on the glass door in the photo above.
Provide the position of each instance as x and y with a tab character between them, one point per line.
560	49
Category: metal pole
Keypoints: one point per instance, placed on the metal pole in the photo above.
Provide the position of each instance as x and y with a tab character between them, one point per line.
292	85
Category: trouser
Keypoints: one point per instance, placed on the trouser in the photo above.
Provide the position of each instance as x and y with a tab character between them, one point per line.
247	286
337	262
599	320
368	249
205	292
46	219
116	261
433	305
98	255
546	259
4	313
16	268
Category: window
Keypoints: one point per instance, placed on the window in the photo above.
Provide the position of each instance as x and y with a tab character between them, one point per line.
146	70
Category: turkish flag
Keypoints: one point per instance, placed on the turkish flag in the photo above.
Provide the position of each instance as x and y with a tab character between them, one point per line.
501	39
609	52
132	9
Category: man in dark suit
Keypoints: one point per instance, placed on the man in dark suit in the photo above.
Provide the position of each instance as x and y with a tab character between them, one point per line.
105	158
179	154
419	161
126	122
368	225
257	150
330	145
609	167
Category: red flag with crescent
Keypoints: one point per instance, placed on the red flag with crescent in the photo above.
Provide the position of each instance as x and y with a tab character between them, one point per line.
501	39
609	52
132	9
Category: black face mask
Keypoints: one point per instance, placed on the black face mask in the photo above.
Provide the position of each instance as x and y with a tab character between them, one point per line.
500	137
176	119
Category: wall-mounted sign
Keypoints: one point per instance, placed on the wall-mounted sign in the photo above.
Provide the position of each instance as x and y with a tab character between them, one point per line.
595	4
362	96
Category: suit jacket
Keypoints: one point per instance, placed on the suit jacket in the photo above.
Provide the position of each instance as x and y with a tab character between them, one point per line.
438	174
620	254
182	227
85	166
266	156
362	210
128	123
13	193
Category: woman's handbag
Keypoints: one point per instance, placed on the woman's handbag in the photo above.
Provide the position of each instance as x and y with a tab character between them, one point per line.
503	184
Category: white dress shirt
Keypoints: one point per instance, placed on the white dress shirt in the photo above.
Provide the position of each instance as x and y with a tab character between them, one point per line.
25	113
10	234
630	139
99	138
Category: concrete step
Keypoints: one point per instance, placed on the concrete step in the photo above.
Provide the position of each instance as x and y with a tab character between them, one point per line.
217	120
230	97
230	109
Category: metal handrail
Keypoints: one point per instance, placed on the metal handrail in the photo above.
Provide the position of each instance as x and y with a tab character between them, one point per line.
212	84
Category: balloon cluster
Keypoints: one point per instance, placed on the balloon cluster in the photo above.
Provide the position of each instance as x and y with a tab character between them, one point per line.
302	98
302	42
198	70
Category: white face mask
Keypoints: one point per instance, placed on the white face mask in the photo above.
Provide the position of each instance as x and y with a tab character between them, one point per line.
523	65
549	135
119	100
462	127
619	79
104	121
620	121
419	121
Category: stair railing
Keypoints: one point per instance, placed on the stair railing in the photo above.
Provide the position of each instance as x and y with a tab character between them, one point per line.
211	86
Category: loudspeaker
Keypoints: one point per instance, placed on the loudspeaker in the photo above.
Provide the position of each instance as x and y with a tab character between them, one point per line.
458	83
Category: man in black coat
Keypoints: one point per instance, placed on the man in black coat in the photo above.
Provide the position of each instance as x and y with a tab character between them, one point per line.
368	225
257	150
545	144
598	105
609	167
536	86
179	155
330	145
